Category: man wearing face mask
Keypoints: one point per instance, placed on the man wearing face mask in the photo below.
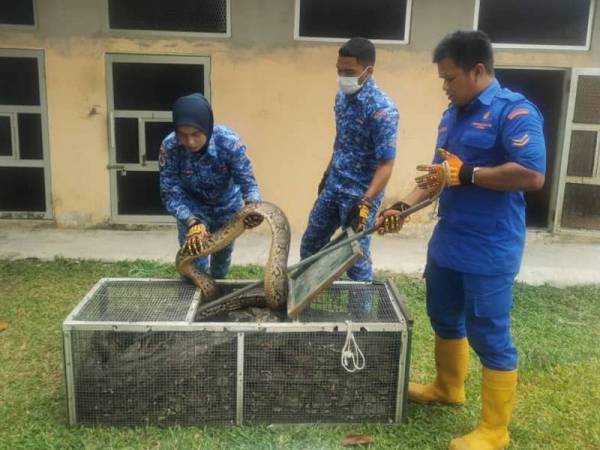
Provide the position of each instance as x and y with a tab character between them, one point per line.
351	189
205	178
490	148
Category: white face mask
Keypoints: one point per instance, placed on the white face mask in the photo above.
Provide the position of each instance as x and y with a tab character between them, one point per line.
350	85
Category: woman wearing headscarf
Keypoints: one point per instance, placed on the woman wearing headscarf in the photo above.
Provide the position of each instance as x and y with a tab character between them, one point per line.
205	178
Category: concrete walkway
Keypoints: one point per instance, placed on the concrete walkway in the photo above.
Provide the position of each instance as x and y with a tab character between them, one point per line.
559	261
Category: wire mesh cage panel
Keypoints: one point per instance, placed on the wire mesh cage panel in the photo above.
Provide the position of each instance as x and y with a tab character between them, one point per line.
135	301
160	377
134	355
298	378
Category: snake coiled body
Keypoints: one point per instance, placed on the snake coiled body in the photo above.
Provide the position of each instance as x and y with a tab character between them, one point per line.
275	291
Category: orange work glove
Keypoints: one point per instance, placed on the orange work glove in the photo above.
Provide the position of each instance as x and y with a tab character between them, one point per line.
389	220
197	232
451	172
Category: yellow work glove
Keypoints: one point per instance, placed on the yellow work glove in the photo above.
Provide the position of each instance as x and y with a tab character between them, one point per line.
197	232
252	220
359	214
451	172
389	220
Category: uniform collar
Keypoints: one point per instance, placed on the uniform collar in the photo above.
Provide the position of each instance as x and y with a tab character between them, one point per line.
487	95
212	148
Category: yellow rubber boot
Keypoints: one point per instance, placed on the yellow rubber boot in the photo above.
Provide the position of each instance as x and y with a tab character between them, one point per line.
451	362
499	392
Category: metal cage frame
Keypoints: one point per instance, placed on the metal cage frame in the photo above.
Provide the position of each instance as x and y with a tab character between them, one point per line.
402	327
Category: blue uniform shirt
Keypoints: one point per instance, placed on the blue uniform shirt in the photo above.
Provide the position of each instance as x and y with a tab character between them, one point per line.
212	184
480	230
366	126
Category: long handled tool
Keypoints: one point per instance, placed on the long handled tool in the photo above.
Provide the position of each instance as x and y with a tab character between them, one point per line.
326	250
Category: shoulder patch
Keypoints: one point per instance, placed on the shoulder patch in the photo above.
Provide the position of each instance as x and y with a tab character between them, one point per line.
517	112
162	156
521	141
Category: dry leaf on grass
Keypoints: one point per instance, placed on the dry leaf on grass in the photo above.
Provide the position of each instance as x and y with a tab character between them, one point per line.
357	439
3	326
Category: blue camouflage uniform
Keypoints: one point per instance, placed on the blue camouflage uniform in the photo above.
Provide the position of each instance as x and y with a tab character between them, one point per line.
366	127
211	186
477	245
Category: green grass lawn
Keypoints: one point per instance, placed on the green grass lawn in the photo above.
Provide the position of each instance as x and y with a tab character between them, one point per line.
557	332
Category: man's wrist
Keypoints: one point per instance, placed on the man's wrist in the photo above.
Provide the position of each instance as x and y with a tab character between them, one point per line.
465	174
367	200
191	221
400	206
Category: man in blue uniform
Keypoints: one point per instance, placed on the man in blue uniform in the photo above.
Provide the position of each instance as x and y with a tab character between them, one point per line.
491	149
363	156
205	178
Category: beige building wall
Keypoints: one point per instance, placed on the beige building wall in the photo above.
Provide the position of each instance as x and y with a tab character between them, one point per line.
277	93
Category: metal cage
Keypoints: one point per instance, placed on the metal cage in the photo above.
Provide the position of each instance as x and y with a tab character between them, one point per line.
134	355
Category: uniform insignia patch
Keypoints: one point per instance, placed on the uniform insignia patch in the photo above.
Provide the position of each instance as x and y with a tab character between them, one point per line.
481	125
520	142
517	112
162	156
486	115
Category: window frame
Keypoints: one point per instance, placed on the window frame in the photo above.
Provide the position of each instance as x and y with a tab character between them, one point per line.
17	27
405	41
166	33
571	126
585	47
115	168
42	110
14	137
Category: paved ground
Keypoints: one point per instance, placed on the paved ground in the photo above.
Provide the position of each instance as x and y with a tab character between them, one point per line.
559	261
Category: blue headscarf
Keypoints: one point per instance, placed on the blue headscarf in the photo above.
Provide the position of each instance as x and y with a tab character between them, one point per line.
194	111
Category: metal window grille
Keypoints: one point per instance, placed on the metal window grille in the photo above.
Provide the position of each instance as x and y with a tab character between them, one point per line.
526	23
24	156
386	21
206	16
578	205
141	91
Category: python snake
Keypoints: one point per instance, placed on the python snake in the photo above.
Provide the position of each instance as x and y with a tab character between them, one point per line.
275	291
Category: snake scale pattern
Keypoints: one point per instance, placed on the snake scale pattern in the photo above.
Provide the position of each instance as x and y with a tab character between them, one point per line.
274	294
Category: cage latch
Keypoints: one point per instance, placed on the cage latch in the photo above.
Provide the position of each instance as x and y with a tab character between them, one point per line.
353	359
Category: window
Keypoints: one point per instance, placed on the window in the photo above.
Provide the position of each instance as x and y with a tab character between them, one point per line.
17	12
532	23
338	20
24	172
189	16
579	188
142	90
546	89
